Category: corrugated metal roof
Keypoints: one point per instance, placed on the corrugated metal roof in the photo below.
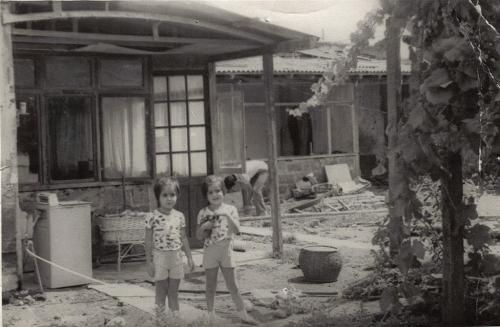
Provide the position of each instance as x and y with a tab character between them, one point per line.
284	65
290	65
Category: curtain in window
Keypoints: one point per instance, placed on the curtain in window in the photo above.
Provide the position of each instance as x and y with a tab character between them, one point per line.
124	137
70	131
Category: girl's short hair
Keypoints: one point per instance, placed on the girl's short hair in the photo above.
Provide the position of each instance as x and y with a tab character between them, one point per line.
163	182
211	180
229	181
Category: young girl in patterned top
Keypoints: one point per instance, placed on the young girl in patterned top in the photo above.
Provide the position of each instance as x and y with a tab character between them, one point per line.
165	236
217	223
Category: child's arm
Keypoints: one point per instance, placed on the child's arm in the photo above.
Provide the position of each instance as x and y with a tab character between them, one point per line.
201	230
187	248
203	226
233	221
148	244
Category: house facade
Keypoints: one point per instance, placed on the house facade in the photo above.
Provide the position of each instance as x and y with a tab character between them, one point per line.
98	98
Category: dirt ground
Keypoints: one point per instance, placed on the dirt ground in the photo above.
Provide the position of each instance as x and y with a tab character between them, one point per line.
259	280
260	277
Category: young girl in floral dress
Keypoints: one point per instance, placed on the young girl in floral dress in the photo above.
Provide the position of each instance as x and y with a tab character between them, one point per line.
165	237
217	223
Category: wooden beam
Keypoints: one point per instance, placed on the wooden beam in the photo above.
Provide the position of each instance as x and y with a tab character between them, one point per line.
279	47
214	119
355	129
10	210
156	34
56	6
74	25
9	18
36	34
272	153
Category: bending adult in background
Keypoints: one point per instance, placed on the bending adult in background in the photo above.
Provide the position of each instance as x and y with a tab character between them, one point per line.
251	183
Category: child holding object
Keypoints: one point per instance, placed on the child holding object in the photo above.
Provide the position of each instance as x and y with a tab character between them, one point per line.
165	236
217	223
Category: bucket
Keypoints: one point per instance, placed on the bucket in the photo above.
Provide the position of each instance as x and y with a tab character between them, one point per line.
320	264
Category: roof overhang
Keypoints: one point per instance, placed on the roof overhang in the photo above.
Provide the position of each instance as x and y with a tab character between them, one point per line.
185	28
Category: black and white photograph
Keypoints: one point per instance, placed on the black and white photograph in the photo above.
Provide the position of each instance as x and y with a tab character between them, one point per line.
280	163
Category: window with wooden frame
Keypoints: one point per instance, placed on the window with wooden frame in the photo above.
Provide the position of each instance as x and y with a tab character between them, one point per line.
323	130
81	119
180	125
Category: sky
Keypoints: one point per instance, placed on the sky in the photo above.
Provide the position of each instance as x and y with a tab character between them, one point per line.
333	19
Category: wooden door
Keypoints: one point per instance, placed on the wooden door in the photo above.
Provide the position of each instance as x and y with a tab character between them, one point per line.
182	139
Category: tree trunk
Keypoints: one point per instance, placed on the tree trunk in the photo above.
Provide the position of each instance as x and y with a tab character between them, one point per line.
393	27
453	246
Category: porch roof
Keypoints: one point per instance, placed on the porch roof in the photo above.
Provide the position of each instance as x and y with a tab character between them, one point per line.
182	28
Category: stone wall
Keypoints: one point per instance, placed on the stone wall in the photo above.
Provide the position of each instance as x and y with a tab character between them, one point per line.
291	170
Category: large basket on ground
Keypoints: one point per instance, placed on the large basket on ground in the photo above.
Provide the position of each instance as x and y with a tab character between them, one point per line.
320	264
119	228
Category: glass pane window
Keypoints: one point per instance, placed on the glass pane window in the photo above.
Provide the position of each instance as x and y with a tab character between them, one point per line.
162	141
177	87
163	164
196	113
70	138
24	72
68	72
161	114
198	164
195	86
121	73
342	138
178	113
27	141
180	126
197	138
229	124
179	139
180	164
160	87
319	123
124	137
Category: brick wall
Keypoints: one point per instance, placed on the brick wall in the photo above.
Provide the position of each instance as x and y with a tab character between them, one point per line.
104	199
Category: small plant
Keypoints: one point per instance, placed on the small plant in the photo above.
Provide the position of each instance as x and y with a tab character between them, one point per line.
289	239
290	255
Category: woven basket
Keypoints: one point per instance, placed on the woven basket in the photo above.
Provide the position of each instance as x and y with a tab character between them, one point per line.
122	228
320	264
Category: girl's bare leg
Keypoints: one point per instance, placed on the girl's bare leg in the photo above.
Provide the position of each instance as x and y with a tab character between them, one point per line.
232	286
161	290
173	294
211	287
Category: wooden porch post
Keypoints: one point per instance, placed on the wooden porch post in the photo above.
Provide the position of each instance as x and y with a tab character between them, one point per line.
11	236
272	151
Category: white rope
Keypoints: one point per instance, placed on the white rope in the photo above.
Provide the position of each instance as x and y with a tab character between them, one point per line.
30	245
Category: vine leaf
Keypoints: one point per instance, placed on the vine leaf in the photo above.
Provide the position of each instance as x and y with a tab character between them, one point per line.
405	257
478	236
497	97
410	292
389	299
418	249
490	265
438	78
